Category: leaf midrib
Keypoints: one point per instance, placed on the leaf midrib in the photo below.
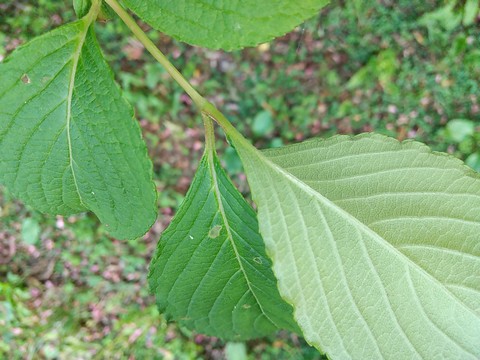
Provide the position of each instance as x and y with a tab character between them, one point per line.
221	208
410	265
71	85
88	21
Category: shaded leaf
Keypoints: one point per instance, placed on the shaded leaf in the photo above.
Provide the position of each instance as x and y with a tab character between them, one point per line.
225	24
211	272
81	7
68	139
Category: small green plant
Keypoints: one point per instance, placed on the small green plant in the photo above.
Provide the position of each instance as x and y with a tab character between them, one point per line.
366	246
462	133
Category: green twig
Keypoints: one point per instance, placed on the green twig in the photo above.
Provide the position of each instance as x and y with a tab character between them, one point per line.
209	111
199	100
213	113
209	134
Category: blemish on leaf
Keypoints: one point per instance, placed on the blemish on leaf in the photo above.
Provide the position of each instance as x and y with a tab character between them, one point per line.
258	260
215	231
246	306
26	79
190	236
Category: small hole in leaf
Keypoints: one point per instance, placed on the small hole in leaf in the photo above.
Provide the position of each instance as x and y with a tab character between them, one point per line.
258	260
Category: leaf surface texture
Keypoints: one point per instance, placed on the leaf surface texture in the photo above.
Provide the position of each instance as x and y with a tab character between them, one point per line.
211	272
225	24
375	243
68	139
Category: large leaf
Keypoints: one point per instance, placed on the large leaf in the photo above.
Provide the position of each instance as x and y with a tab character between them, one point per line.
210	271
225	24
68	139
375	243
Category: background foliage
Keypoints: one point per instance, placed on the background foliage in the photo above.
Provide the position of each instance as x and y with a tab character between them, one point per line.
406	69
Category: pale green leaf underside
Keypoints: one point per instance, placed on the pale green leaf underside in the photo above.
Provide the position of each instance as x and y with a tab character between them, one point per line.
223	24
68	140
375	243
211	272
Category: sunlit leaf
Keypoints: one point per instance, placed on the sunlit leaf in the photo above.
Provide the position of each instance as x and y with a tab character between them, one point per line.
375	243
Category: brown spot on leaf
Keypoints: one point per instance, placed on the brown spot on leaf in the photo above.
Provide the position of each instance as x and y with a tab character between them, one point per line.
26	79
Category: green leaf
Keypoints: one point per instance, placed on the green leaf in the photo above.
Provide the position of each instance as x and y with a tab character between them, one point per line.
375	243
222	24
68	139
470	12
460	129
81	7
263	123
210	271
31	231
382	68
474	161
442	19
236	351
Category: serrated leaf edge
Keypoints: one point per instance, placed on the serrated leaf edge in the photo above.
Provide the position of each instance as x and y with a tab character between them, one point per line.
211	155
409	144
